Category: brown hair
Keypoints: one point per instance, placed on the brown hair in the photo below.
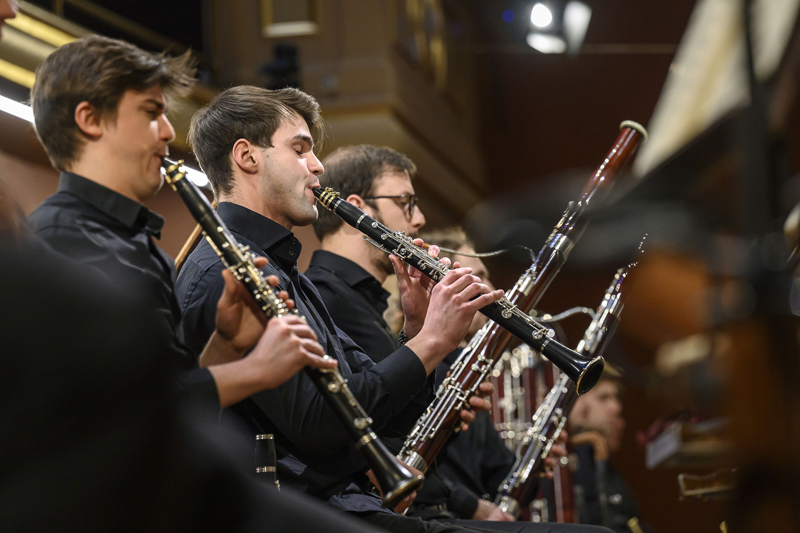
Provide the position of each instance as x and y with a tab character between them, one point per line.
97	70
353	170
246	112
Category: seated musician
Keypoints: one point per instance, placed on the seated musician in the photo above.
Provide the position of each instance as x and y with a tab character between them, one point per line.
256	147
602	495
105	348
348	272
100	111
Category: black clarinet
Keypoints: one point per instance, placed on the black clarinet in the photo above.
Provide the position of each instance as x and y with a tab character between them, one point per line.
394	478
584	372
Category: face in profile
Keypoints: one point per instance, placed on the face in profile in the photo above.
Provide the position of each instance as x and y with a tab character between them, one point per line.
136	139
291	171
396	213
600	410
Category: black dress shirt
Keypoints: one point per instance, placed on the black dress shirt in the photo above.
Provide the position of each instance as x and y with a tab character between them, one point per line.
472	465
315	453
355	300
98	227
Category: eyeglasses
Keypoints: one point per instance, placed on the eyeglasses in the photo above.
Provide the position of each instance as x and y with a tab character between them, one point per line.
405	201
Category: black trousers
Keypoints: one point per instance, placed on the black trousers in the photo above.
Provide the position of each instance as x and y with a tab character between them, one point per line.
396	523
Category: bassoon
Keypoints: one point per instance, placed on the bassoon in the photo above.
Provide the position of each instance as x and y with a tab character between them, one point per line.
518	489
442	417
395	480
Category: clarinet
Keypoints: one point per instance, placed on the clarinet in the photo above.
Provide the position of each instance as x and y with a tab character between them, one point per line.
518	489
394	478
473	366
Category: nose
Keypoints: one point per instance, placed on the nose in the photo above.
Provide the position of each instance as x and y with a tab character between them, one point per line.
165	130
417	219
315	165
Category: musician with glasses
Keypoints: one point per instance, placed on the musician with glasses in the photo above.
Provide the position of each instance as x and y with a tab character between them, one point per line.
349	272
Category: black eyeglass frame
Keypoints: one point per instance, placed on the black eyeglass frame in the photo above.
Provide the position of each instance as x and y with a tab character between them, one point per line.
409	204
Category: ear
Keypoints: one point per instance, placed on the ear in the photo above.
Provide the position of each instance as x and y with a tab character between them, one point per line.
88	119
357	201
246	156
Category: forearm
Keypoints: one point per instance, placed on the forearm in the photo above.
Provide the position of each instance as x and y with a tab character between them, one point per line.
238	380
429	350
218	352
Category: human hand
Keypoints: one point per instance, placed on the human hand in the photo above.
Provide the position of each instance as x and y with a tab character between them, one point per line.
415	291
287	345
478	402
489	511
240	322
454	301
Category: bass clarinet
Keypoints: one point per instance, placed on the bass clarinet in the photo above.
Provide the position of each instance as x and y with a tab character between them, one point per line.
518	489
394	478
473	366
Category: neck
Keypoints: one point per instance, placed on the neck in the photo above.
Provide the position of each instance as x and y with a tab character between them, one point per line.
109	173
352	246
245	195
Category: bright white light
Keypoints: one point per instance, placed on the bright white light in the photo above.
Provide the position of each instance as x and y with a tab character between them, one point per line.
541	17
196	177
547	44
576	20
17	109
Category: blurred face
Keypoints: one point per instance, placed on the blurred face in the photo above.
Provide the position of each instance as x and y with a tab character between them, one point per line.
480	270
600	410
136	140
393	212
291	170
8	10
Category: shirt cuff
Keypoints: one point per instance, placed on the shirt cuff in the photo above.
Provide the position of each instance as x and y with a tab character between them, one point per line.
198	387
462	502
402	373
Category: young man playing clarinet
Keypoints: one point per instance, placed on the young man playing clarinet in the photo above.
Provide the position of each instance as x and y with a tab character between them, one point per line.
257	148
100	111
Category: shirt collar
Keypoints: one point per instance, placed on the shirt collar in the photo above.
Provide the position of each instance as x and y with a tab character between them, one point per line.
121	208
271	237
353	275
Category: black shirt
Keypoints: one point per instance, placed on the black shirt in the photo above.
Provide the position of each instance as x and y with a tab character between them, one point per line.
98	227
355	300
475	463
315	454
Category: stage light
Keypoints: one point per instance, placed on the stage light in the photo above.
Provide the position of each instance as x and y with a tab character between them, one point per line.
547	44
541	16
559	29
197	177
17	109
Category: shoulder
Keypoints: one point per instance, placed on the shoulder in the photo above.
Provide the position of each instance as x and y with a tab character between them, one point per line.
200	276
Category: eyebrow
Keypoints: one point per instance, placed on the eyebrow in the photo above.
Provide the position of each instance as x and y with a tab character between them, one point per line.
159	105
304	137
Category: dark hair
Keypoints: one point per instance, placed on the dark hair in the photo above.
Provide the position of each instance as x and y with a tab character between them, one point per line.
353	170
246	112
97	70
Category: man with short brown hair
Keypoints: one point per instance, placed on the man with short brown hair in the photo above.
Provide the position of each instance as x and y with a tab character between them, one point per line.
100	111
